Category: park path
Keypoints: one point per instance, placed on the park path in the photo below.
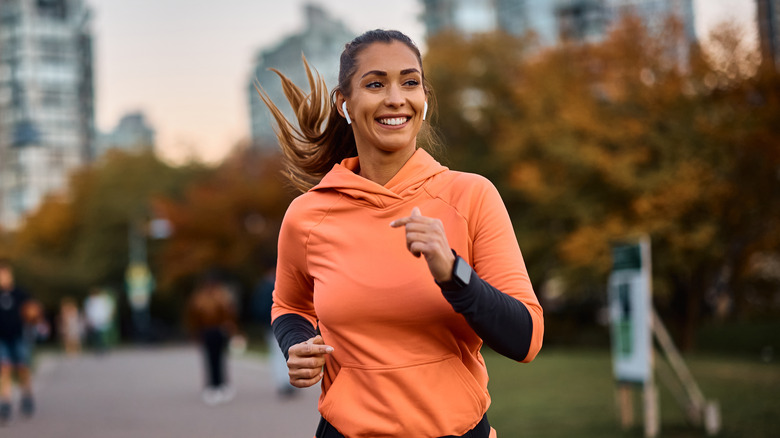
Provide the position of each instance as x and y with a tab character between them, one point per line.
155	392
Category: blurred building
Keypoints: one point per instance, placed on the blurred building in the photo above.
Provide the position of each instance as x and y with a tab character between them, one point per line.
132	133
321	41
580	20
769	32
46	100
521	16
552	21
466	16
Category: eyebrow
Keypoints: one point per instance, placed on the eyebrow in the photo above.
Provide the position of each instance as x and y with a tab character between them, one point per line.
384	73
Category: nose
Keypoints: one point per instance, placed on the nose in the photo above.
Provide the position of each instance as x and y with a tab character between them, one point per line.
394	96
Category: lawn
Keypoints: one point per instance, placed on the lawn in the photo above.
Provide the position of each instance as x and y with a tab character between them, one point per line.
571	393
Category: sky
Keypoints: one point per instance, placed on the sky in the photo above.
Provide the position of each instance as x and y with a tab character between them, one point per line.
186	63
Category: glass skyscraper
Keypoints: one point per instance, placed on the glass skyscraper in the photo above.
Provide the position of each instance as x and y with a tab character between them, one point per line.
553	21
46	100
322	42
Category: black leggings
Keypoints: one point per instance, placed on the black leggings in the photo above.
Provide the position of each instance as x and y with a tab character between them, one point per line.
215	342
481	430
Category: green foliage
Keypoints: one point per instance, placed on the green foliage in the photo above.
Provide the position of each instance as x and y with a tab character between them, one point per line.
592	143
80	240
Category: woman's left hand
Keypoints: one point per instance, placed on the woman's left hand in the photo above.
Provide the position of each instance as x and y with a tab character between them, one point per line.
425	236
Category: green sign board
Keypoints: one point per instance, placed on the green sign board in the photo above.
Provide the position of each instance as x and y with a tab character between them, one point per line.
626	257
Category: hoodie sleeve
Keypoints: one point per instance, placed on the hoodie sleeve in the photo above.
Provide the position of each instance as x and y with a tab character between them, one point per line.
292	315
499	303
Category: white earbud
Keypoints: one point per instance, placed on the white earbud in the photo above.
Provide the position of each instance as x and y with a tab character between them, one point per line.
425	109
346	114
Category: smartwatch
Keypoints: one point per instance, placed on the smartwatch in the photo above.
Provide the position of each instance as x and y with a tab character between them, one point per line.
461	275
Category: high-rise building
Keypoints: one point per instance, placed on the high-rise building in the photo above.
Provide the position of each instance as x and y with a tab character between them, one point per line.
322	42
518	17
552	21
132	133
46	100
466	16
769	32
580	20
654	12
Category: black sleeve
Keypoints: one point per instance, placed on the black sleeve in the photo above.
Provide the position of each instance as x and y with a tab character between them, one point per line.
502	321
292	329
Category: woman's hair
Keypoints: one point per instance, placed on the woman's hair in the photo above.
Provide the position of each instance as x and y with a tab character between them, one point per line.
322	137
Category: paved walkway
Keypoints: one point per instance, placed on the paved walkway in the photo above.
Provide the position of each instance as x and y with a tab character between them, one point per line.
156	393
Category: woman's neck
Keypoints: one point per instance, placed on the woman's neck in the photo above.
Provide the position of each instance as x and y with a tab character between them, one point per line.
380	166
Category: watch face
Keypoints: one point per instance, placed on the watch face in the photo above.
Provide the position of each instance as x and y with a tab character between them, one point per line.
462	271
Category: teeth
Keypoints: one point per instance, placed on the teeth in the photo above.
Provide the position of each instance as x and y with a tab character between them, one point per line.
394	121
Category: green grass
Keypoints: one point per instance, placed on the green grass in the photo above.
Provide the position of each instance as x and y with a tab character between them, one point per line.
571	393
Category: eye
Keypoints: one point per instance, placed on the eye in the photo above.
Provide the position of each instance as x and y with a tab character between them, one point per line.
374	84
412	83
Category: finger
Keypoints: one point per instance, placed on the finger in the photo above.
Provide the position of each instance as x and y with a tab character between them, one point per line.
308	350
305	373
400	222
404	221
318	345
409	220
416	215
416	243
305	362
312	347
422	228
316	350
417	248
305	382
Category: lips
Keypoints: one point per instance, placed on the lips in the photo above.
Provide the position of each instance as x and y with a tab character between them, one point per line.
393	121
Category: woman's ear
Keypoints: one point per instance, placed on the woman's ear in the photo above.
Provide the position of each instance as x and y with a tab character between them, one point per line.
341	107
346	113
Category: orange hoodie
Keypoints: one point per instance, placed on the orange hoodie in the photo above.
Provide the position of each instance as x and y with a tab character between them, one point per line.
404	362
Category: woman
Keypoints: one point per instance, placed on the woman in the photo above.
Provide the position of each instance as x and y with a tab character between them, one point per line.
403	266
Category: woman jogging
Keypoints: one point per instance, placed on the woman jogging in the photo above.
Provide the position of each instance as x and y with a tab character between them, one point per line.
392	269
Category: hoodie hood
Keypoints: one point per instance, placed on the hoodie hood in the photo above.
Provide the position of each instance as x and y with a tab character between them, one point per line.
405	184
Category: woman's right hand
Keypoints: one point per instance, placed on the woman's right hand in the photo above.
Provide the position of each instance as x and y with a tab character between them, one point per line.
305	362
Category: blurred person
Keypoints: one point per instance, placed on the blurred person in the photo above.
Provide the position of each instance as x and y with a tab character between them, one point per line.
99	316
211	317
15	353
262	301
392	269
36	327
71	326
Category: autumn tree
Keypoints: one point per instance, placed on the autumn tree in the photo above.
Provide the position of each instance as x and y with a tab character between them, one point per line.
592	143
229	221
79	239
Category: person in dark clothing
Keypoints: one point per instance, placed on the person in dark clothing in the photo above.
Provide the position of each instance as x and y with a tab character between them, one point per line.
14	349
211	316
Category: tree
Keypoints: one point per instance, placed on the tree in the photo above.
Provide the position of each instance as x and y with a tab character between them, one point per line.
228	221
592	143
79	239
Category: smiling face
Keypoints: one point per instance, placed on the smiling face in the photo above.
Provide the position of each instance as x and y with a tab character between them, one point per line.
387	99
